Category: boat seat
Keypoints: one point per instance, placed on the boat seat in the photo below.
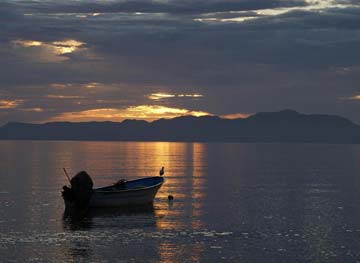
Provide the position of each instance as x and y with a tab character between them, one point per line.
121	184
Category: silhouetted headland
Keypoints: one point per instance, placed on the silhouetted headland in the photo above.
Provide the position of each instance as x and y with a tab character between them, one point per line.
282	126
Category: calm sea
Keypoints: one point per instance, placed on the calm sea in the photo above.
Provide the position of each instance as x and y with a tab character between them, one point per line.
232	203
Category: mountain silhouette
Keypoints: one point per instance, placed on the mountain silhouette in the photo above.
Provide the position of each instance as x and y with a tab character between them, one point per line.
282	126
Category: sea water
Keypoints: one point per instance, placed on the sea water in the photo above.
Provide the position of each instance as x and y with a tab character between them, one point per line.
232	203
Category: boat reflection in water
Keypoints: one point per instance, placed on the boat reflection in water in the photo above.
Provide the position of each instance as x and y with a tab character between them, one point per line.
127	217
124	228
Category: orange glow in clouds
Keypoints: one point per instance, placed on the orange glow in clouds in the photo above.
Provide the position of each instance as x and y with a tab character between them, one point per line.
356	97
142	112
236	116
9	104
34	109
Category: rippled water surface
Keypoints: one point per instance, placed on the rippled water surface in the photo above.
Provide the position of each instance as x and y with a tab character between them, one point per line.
232	203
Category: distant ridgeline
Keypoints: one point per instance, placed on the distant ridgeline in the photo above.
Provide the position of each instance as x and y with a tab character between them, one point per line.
282	126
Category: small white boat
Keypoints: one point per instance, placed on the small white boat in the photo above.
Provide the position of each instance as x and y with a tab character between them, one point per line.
81	195
125	193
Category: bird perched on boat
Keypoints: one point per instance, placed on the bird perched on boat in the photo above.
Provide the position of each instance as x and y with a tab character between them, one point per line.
162	171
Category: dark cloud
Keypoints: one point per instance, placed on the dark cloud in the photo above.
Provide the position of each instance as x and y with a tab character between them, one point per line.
173	7
9	12
349	2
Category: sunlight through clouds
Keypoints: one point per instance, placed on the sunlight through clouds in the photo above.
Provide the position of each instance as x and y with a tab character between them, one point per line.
243	16
356	97
10	104
49	51
160	96
141	112
66	46
236	116
52	96
33	109
28	43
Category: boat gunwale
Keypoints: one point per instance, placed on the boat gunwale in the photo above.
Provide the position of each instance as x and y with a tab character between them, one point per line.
96	190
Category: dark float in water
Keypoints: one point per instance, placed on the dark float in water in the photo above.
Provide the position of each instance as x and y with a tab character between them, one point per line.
80	196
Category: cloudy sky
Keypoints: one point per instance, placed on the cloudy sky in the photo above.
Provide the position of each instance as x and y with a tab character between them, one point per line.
115	59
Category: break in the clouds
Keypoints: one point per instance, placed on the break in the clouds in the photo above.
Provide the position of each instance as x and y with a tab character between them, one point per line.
111	60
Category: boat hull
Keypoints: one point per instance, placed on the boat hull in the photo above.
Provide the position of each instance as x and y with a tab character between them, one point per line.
127	193
123	198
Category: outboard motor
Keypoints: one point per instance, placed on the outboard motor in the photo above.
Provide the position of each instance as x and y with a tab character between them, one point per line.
77	198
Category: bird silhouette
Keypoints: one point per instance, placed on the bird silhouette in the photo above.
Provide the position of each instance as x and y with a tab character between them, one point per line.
162	171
